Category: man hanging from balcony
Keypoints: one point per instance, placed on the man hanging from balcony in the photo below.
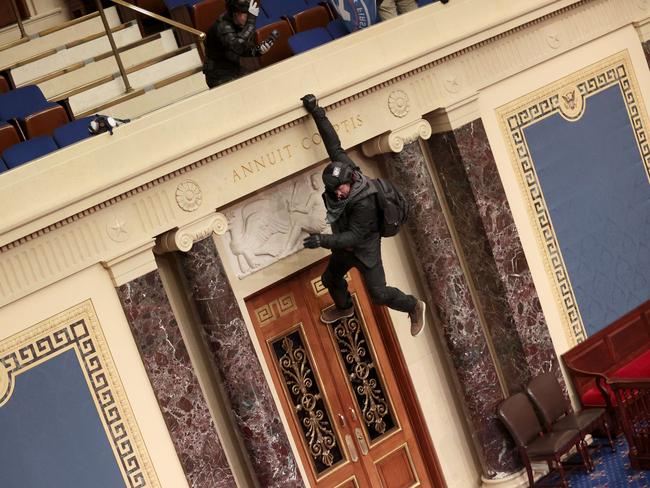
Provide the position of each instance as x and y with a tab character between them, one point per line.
230	43
353	214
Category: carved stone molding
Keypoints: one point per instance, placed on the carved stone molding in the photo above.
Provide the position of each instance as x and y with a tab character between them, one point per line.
183	238
432	81
131	265
395	140
398	103
188	195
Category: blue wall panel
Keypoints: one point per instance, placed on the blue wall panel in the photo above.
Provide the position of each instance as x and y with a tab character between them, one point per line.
598	197
51	435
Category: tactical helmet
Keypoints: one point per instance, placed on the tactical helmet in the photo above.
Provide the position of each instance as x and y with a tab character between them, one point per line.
335	174
238	5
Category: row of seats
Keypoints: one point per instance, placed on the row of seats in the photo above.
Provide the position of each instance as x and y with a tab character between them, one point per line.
545	427
31	126
22	152
30	111
299	14
4	84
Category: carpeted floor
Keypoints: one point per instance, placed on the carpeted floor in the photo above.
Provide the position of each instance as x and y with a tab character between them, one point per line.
611	470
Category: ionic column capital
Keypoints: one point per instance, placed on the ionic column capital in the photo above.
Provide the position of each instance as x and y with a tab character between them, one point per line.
183	238
395	140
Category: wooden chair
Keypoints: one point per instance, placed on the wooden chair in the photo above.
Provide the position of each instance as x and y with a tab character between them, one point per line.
280	49
518	415
310	18
205	13
633	410
34	113
8	136
557	414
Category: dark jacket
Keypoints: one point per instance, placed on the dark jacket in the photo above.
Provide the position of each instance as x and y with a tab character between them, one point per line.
357	229
225	44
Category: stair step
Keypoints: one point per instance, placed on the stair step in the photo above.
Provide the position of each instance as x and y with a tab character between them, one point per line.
80	74
124	34
165	92
52	39
10	34
187	59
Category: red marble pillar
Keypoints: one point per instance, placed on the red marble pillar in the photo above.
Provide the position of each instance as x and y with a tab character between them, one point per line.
235	359
494	252
460	325
172	377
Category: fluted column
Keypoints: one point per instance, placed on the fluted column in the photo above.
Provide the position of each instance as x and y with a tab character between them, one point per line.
461	327
167	363
491	244
234	358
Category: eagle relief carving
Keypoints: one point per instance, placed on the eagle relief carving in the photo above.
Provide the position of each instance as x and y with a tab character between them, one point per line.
571	103
272	224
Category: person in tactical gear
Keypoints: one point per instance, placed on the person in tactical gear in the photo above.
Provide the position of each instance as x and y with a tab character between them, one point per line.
355	242
231	40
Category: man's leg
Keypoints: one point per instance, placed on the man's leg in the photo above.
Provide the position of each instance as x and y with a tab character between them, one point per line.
387	10
404	6
333	279
392	297
381	294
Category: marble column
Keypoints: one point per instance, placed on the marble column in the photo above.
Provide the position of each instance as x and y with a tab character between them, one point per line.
494	253
460	324
232	352
167	363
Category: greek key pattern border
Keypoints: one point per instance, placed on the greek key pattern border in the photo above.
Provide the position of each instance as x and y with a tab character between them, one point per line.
526	111
78	329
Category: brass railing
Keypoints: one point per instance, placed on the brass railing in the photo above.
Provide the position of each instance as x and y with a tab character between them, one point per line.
19	20
198	35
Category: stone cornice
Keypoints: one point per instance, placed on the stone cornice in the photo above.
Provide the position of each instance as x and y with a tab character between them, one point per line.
478	38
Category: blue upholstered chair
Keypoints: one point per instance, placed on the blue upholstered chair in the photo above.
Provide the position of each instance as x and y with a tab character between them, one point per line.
3	166
283	8
337	29
172	4
72	132
28	150
309	39
8	135
264	18
28	105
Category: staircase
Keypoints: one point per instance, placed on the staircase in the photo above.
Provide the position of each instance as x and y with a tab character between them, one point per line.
73	63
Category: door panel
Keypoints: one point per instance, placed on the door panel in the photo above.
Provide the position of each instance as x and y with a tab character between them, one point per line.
338	390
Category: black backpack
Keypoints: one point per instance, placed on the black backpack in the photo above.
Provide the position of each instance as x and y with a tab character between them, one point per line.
393	207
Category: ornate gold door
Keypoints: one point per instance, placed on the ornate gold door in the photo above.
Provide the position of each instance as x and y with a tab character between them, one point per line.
336	386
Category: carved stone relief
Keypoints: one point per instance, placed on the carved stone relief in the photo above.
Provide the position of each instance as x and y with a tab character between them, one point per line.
272	224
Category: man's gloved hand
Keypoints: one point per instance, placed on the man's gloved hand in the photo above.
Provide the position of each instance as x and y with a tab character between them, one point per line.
310	102
312	241
268	42
254	9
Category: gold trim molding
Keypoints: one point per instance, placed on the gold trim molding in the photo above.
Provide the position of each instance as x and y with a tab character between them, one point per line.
526	111
78	329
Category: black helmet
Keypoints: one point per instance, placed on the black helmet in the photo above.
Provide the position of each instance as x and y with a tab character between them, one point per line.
237	5
335	174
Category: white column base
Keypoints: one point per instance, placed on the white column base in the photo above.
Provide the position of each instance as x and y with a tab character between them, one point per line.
515	480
